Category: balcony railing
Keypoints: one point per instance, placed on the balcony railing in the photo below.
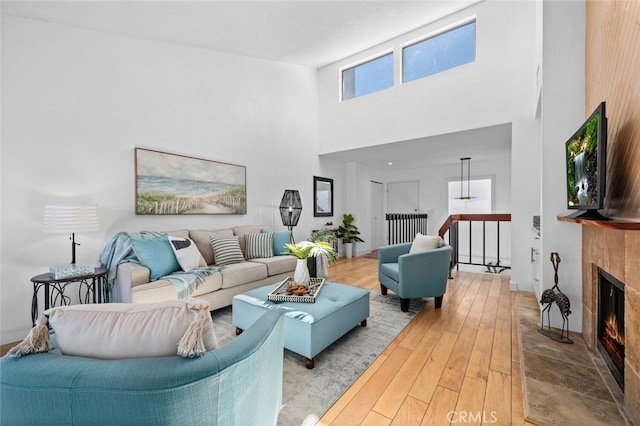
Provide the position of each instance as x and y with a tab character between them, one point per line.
464	240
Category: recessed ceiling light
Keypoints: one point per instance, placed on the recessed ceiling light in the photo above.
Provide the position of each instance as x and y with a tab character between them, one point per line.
390	163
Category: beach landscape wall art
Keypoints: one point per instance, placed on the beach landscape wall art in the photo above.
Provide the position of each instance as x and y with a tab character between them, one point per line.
170	184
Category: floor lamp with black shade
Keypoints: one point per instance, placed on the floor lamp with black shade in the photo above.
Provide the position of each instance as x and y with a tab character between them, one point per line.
290	209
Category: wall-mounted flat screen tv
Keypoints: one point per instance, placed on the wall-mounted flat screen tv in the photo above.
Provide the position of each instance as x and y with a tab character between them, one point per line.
586	163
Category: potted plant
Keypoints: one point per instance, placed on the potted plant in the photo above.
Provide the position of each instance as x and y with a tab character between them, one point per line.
326	233
304	250
319	265
348	233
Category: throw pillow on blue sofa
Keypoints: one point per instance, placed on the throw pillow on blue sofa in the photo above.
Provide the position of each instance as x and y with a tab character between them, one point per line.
157	255
280	240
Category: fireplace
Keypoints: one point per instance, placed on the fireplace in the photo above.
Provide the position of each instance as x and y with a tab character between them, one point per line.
615	248
611	324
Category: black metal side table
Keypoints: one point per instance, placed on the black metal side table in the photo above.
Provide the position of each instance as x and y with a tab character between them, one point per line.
94	286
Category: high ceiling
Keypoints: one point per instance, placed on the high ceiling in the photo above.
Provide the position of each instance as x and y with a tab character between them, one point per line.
313	33
310	33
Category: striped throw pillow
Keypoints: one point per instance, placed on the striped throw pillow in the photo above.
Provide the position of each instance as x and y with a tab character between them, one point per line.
259	245
226	251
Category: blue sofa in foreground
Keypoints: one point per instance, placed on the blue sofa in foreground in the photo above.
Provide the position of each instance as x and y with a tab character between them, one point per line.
239	383
414	275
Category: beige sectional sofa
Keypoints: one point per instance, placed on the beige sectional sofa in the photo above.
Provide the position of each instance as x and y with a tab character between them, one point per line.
132	282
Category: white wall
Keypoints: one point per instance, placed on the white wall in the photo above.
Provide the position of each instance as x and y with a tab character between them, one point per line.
75	103
525	190
357	201
499	84
563	24
498	88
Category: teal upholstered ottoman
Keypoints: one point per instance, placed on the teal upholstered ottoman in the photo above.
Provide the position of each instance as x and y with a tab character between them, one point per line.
309	328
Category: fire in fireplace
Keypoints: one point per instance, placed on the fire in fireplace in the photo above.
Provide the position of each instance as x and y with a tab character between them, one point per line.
611	324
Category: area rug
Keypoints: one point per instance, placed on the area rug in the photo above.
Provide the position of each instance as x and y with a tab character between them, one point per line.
310	393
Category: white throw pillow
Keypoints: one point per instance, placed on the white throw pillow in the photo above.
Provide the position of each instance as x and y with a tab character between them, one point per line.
126	330
186	252
426	242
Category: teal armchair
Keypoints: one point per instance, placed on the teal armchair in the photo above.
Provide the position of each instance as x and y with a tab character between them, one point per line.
413	275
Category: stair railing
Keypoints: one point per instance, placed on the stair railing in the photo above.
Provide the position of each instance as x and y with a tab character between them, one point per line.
451	229
403	227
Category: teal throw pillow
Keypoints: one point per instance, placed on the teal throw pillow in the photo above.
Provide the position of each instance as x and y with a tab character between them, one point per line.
280	240
157	255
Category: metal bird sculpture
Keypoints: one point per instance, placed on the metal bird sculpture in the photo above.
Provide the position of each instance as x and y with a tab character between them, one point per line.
554	295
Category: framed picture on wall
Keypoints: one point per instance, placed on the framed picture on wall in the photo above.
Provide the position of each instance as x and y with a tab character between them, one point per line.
170	184
322	196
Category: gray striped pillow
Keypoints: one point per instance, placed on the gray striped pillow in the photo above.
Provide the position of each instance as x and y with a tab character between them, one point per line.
226	251
259	245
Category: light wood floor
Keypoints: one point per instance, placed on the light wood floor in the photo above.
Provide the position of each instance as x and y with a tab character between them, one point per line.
456	365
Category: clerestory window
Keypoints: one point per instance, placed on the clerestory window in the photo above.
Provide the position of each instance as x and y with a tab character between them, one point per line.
438	53
368	77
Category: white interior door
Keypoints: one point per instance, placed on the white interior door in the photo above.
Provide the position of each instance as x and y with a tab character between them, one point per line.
402	197
377	215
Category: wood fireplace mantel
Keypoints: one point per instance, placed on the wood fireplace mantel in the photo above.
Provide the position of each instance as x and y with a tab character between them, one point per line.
606	224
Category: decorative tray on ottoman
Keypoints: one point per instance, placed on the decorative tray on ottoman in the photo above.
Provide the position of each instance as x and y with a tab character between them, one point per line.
280	294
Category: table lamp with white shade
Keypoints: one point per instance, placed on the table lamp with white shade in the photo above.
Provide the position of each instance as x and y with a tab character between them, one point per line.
71	219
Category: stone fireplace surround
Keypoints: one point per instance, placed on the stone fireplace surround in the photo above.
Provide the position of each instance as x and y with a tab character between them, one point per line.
617	251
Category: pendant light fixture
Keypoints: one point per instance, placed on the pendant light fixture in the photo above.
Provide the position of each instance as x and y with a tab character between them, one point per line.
462	196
